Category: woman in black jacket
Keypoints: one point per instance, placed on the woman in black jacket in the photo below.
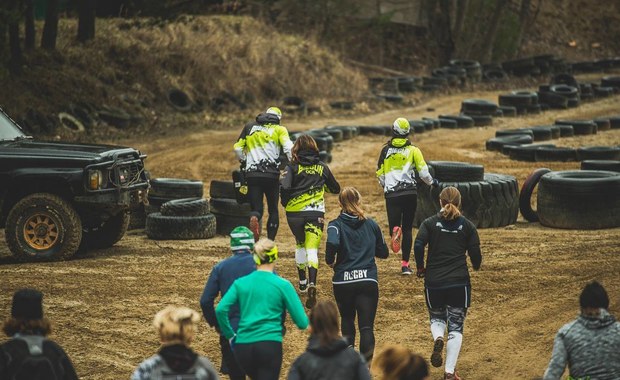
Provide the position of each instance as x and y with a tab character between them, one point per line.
353	242
450	237
328	355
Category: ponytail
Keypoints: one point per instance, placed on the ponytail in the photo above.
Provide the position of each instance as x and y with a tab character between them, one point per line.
350	201
450	201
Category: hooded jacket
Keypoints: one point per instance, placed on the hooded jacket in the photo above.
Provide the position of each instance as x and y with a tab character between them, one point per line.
337	360
176	359
352	245
590	346
303	186
259	145
398	162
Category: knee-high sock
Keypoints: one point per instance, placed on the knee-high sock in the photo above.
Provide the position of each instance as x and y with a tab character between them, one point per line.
453	347
438	328
301	261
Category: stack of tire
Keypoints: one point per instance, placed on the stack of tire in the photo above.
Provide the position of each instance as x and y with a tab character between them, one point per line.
480	110
183	213
472	69
525	102
228	212
325	138
574	199
488	200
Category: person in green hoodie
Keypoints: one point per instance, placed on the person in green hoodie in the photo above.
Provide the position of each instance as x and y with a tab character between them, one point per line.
262	297
302	190
398	162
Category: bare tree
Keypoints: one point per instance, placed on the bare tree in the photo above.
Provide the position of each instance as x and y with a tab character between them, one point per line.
489	37
50	29
86	22
15	62
29	30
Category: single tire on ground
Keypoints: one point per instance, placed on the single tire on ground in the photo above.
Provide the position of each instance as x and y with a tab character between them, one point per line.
176	188
161	227
609	165
579	199
525	197
185	207
598	153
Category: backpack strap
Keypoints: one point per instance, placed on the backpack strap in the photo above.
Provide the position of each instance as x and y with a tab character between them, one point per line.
34	342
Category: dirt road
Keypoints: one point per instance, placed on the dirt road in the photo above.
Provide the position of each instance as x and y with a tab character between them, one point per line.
102	304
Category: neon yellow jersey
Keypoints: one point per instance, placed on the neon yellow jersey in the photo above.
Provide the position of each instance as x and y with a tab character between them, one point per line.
398	162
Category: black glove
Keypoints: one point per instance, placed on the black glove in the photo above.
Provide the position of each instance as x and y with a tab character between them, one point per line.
435	182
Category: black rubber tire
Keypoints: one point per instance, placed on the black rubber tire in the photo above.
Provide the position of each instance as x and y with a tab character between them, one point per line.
579	199
555	130
222	189
479	106
525	196
448	123
498	143
137	218
462	121
541	133
598	153
511	132
580	127
552	100
566	130
227	223
226	206
603	92
436	122
336	133
490	203
555	154
176	188
107	234
611	81
161	227
614	122
372	130
508	111
70	122
57	211
158	201
602	124
609	165
179	100
573	103
481	120
115	117
526	152
326	157
185	207
450	171
515	100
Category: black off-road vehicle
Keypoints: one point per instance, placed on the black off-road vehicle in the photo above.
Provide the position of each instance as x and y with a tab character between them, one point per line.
57	198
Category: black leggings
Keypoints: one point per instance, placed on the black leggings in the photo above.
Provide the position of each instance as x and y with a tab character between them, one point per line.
400	212
229	362
260	360
359	298
270	188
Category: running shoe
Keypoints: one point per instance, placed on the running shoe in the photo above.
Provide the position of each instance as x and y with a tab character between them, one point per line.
451	376
397	236
311	301
303	286
406	271
255	227
436	359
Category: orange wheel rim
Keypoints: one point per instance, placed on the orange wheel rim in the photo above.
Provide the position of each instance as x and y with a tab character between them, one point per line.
41	232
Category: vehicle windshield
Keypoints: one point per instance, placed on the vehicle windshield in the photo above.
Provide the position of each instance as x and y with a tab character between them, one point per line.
8	130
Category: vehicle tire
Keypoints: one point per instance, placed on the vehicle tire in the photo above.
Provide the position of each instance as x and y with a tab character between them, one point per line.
107	234
222	189
541	133
603	92
227	223
179	100
579	199
525	197
515	100
580	127
552	100
161	227
449	171
566	130
137	218
481	120
611	81
115	117
448	123
525	152
555	154
336	133
480	106
498	143
614	122
226	206
598	153
508	111
70	122
185	207
371	130
56	234
609	165
176	188
461	120
326	157
511	132
602	124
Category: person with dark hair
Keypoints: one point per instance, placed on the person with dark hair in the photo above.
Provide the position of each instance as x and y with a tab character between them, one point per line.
29	354
353	242
399	363
262	297
176	327
398	162
328	355
240	264
303	195
258	149
589	345
450	238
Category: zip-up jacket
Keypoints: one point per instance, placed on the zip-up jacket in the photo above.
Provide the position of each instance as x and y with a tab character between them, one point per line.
448	242
259	146
304	183
176	361
398	162
591	348
352	245
337	360
222	276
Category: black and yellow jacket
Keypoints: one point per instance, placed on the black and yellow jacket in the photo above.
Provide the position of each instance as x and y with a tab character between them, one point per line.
398	162
259	146
303	185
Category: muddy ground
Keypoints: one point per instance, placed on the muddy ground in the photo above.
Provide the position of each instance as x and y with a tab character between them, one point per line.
102	304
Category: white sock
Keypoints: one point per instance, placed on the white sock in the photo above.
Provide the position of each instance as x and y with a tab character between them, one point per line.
300	256
438	328
453	348
313	257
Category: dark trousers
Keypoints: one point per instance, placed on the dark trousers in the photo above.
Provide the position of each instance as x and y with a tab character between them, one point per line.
359	298
400	212
260	360
259	187
229	362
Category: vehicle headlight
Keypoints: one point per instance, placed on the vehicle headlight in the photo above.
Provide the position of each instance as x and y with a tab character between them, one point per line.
95	179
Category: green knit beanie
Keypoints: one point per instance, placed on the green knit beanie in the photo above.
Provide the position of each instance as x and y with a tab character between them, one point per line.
241	238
